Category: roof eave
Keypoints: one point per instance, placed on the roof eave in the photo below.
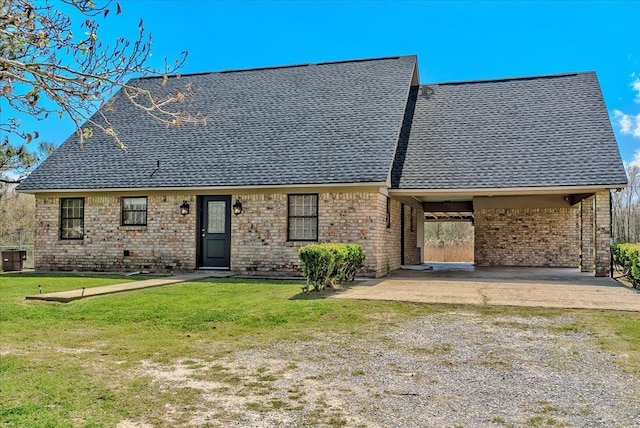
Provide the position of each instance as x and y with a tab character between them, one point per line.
201	189
506	191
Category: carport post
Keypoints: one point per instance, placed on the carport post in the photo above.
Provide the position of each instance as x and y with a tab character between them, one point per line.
602	215
587	235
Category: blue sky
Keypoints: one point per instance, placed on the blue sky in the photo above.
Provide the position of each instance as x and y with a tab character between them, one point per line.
455	40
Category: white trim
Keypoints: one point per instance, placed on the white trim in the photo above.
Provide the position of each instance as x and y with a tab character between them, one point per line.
381	185
204	189
506	191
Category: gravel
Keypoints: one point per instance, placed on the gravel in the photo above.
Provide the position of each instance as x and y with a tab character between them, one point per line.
443	370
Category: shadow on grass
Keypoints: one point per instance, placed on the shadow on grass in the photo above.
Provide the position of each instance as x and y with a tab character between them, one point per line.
329	292
104	275
626	283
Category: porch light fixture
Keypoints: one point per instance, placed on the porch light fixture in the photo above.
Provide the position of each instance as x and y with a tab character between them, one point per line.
184	208
237	207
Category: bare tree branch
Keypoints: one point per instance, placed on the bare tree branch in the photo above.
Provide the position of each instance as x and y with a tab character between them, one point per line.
42	59
47	69
626	208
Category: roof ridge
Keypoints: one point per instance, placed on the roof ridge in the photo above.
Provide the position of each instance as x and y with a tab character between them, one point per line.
508	79
277	67
366	59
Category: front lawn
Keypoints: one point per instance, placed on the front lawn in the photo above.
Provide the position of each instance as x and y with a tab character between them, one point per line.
89	362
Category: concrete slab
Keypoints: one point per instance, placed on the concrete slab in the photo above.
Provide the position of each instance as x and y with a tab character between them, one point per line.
550	288
71	295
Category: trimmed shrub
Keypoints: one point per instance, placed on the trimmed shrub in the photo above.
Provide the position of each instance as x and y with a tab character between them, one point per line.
325	264
317	265
354	261
626	258
339	253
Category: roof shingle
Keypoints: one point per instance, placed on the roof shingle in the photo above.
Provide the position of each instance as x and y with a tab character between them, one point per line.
310	124
528	132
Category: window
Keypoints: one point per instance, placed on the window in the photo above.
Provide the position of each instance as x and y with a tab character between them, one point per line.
388	212
71	218
134	211
302	219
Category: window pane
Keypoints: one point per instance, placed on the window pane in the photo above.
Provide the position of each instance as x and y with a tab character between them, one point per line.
72	228
134	211
216	216
297	228
134	203
71	218
303	205
294	206
303	217
140	217
307	228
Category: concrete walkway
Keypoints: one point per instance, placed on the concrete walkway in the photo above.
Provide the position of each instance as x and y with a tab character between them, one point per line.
71	295
549	288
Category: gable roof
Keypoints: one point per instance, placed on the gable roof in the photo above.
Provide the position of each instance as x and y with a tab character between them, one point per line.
527	132
323	123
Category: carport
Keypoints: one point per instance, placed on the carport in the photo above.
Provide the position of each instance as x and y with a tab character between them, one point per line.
560	227
530	161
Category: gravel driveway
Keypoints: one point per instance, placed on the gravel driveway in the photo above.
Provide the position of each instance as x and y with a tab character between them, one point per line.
443	370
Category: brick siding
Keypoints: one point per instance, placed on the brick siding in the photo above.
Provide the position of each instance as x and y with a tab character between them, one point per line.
259	243
165	243
527	237
587	235
602	223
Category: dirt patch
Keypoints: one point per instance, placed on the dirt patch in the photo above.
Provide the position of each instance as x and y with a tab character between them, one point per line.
131	424
442	370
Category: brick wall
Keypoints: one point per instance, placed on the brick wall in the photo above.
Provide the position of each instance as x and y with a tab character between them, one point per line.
259	243
389	252
602	217
259	235
411	250
527	237
166	243
587	235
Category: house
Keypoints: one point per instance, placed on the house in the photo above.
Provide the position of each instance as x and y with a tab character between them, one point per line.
353	151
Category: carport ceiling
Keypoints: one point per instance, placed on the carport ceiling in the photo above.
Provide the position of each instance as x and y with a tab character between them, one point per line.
448	216
448	210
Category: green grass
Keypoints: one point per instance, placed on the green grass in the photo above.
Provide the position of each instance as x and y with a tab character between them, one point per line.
75	364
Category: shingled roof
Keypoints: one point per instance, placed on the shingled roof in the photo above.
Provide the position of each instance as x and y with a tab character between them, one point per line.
309	124
527	132
341	123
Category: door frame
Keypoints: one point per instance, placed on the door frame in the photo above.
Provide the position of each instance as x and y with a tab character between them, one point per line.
199	224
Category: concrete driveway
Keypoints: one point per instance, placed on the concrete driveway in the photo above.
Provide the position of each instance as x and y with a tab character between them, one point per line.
461	283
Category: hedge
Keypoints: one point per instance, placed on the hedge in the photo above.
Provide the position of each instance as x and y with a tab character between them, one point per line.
626	258
325	264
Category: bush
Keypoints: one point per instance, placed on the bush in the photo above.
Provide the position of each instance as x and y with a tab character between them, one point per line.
339	253
317	265
626	258
325	264
354	261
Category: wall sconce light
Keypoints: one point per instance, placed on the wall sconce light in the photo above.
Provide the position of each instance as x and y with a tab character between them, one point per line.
184	208
237	207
